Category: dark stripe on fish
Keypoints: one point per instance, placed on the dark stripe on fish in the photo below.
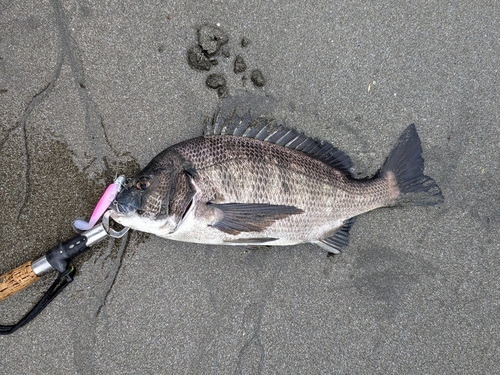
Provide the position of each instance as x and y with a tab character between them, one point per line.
253	241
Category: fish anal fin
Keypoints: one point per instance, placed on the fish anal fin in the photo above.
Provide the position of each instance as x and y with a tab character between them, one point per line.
339	240
249	217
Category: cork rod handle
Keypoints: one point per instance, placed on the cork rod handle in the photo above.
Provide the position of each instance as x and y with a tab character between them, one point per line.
16	280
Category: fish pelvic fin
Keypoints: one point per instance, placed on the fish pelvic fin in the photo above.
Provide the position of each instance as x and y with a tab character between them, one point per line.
404	169
339	240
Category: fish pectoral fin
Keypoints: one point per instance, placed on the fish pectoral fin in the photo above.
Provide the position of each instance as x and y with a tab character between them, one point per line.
249	217
339	239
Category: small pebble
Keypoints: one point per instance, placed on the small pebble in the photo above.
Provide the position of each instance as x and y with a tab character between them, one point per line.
257	78
211	38
215	81
222	92
197	59
239	65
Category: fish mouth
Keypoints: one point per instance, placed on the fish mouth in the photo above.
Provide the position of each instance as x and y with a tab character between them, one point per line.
121	208
126	204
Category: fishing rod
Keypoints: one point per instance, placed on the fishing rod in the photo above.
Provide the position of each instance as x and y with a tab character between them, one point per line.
58	258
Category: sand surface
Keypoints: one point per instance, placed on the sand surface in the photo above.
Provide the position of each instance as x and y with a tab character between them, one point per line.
91	89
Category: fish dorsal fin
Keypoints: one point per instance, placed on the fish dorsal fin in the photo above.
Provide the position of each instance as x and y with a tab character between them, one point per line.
229	121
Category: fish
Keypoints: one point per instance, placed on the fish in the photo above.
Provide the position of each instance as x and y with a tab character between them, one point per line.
249	181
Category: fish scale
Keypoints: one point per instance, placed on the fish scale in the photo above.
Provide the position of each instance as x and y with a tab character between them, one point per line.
310	181
324	203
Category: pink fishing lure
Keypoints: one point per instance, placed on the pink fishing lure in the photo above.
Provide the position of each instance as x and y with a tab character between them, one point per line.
107	198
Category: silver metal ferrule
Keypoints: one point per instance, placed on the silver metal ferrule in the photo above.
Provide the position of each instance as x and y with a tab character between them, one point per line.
94	235
41	266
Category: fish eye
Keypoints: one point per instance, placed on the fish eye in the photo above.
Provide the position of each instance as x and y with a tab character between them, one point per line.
143	183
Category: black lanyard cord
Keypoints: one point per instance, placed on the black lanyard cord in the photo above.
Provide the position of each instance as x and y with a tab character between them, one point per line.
57	287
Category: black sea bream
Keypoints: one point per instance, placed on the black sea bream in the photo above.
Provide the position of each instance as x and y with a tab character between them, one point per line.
248	182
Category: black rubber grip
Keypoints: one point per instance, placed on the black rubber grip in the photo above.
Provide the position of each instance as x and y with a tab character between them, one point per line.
60	255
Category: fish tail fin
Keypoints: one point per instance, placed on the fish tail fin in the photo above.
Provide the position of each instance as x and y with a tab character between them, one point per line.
405	168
